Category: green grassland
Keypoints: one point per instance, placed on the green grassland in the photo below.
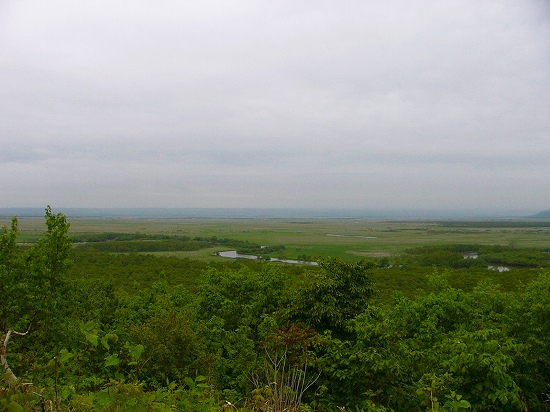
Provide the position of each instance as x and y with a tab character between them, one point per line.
350	239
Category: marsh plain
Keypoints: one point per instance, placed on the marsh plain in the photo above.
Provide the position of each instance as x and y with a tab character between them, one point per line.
349	239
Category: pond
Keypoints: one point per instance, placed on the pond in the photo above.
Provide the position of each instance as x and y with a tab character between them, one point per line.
232	254
499	268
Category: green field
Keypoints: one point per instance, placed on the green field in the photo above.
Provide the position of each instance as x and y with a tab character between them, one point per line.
350	239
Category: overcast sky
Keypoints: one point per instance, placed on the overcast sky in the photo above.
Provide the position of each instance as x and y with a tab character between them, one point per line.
299	104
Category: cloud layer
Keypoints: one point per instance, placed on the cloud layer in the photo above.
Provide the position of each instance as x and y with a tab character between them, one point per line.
403	104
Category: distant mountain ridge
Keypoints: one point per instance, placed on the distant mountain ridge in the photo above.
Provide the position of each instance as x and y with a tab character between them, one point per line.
545	214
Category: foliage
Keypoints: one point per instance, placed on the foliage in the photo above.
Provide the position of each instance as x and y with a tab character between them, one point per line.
174	349
240	297
16	395
334	295
195	396
242	246
12	288
33	279
170	245
237	307
133	272
415	353
33	286
140	332
456	256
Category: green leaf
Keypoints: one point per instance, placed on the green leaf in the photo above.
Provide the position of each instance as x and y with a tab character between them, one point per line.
90	337
105	342
112	360
87	327
109	337
15	407
64	355
189	382
134	350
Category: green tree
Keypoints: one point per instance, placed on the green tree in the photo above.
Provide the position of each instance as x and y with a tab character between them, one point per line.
32	281
337	293
528	323
174	349
46	265
11	286
235	307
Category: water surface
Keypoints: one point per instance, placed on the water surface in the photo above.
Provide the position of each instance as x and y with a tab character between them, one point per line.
232	254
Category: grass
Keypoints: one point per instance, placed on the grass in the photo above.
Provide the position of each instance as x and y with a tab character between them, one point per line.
356	238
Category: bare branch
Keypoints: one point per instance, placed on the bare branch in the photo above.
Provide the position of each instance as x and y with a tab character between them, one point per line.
3	359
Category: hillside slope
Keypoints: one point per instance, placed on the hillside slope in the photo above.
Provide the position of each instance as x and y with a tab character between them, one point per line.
545	214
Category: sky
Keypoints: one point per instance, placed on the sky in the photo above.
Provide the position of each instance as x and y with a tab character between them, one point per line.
275	104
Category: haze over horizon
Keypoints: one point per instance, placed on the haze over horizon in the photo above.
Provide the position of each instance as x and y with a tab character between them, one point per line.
398	105
274	213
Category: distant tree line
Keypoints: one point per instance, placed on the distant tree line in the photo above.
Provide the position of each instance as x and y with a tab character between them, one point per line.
457	256
137	242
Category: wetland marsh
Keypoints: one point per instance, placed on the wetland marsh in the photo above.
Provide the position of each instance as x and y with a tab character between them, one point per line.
349	239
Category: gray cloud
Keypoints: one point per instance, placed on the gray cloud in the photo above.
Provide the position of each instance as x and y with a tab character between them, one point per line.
275	104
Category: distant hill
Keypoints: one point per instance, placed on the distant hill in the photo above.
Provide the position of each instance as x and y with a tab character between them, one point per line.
545	214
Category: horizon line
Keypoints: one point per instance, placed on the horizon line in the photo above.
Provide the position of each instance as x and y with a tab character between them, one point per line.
269	212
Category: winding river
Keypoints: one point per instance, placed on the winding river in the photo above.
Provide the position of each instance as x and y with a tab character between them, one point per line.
232	254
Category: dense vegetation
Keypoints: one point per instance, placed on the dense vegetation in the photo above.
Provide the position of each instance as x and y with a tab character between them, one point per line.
128	242
98	326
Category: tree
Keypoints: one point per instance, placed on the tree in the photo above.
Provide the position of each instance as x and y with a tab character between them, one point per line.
235	307
10	269
337	294
32	280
